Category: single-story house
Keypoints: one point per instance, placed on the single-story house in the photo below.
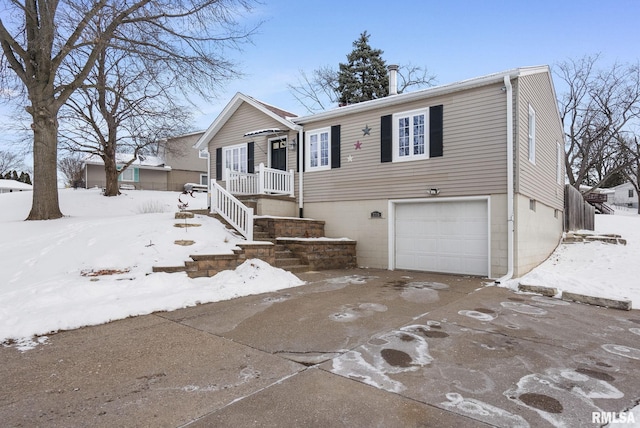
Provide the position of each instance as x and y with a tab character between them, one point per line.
464	178
9	186
625	195
176	164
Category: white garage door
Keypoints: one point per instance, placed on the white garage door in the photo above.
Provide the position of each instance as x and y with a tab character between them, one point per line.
449	237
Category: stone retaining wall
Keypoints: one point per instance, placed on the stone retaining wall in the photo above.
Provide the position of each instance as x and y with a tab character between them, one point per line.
291	227
322	254
207	265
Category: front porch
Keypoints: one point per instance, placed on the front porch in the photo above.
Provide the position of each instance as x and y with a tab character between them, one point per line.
244	195
262	208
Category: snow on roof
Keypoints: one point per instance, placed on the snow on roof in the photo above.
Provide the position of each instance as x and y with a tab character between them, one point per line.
264	131
14	185
121	158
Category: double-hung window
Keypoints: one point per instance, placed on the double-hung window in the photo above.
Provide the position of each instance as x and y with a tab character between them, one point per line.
235	158
318	147
411	135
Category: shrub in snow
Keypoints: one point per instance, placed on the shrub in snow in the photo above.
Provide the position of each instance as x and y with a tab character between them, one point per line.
151	207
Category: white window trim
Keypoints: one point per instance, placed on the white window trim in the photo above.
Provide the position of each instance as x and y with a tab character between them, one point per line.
224	157
203	154
204	179
307	151
128	175
531	136
396	136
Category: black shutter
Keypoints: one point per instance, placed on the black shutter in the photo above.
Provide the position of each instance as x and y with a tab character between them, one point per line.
435	131
335	146
219	163
250	157
386	138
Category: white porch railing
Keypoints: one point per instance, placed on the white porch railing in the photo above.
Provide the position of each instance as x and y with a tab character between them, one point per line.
266	180
241	183
232	210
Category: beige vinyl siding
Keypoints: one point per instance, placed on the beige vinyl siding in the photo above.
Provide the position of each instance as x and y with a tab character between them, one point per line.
181	155
538	181
245	119
473	163
149	179
177	179
95	176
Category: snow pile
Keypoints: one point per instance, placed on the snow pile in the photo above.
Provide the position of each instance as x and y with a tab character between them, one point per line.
94	265
595	268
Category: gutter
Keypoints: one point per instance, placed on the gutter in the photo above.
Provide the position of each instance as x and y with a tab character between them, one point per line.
510	183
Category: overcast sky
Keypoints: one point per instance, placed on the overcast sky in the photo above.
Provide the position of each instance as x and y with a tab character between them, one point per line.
454	39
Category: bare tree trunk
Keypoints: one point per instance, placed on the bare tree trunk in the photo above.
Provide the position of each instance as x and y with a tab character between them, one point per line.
636	185
111	175
45	204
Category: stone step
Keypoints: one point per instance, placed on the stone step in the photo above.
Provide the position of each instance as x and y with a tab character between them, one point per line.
288	261
169	269
297	268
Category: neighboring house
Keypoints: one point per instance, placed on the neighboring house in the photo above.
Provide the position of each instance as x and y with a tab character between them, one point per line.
177	163
625	195
465	178
9	186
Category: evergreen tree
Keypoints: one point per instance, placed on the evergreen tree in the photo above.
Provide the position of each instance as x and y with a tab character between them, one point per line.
364	76
24	178
14	175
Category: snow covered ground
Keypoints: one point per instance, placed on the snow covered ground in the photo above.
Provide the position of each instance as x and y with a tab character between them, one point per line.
595	268
47	268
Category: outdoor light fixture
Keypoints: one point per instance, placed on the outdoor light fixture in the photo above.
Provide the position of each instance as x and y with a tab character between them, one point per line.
293	144
434	191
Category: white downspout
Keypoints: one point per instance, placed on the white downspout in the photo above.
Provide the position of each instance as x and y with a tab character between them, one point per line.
300	171
209	190
510	185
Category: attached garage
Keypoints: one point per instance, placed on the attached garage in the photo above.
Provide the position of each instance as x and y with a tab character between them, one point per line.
449	236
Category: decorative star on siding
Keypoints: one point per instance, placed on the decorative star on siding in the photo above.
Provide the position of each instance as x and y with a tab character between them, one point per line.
358	145
349	158
366	130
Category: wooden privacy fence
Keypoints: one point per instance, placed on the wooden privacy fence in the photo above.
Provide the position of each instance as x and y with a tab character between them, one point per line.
578	213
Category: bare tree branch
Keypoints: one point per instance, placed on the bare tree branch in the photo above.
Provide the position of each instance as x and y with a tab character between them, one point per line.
50	48
597	112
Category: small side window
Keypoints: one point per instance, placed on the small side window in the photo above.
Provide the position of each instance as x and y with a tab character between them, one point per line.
532	135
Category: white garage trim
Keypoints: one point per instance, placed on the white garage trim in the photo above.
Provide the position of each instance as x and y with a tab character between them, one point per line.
392	222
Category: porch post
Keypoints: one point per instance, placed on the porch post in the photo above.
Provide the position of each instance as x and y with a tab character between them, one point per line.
213	195
261	178
292	183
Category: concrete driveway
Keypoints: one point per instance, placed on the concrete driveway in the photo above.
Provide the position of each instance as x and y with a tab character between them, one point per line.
356	348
